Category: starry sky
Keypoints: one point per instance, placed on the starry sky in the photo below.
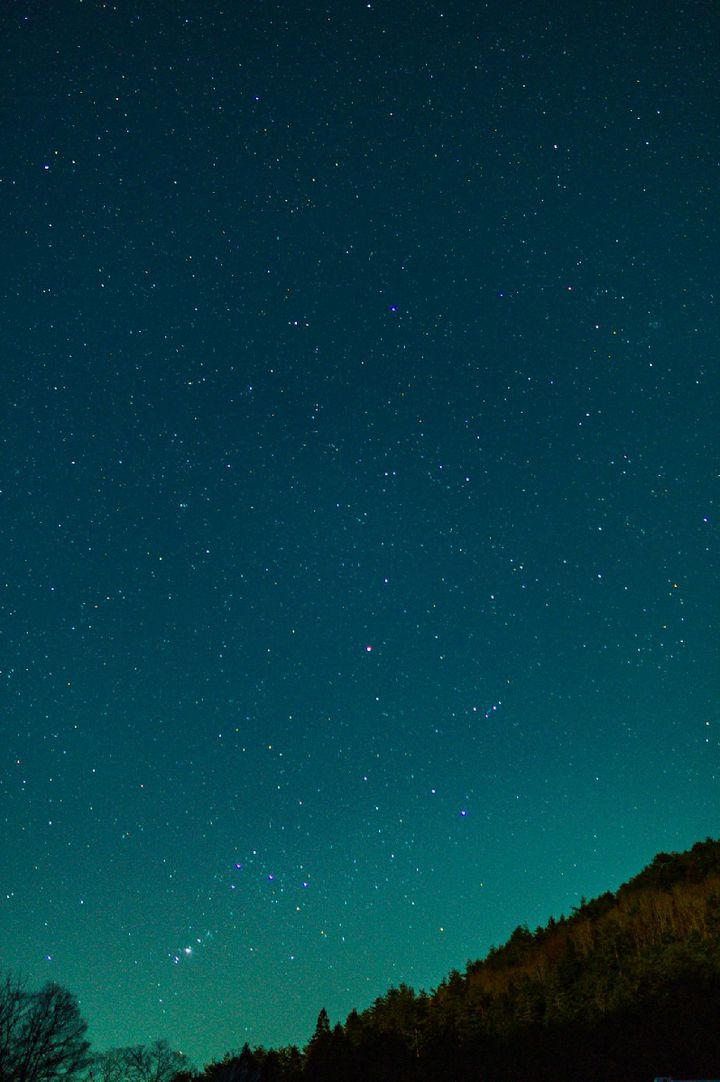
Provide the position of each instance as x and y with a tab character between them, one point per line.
358	527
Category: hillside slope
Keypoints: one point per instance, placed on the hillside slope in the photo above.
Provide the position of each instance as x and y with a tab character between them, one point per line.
626	988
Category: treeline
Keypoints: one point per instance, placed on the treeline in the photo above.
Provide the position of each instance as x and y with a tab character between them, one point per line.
626	988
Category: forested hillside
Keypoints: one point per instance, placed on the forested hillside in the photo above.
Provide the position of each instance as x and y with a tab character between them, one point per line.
627	987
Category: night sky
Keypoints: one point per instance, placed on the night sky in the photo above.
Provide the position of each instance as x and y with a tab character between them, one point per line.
359	453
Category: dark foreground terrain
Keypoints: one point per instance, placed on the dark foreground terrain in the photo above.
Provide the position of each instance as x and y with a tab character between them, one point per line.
626	988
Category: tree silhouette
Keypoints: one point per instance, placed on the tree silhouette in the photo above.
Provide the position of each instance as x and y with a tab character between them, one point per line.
139	1063
319	1065
42	1035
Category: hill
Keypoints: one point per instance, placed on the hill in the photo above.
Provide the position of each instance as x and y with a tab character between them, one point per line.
626	988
